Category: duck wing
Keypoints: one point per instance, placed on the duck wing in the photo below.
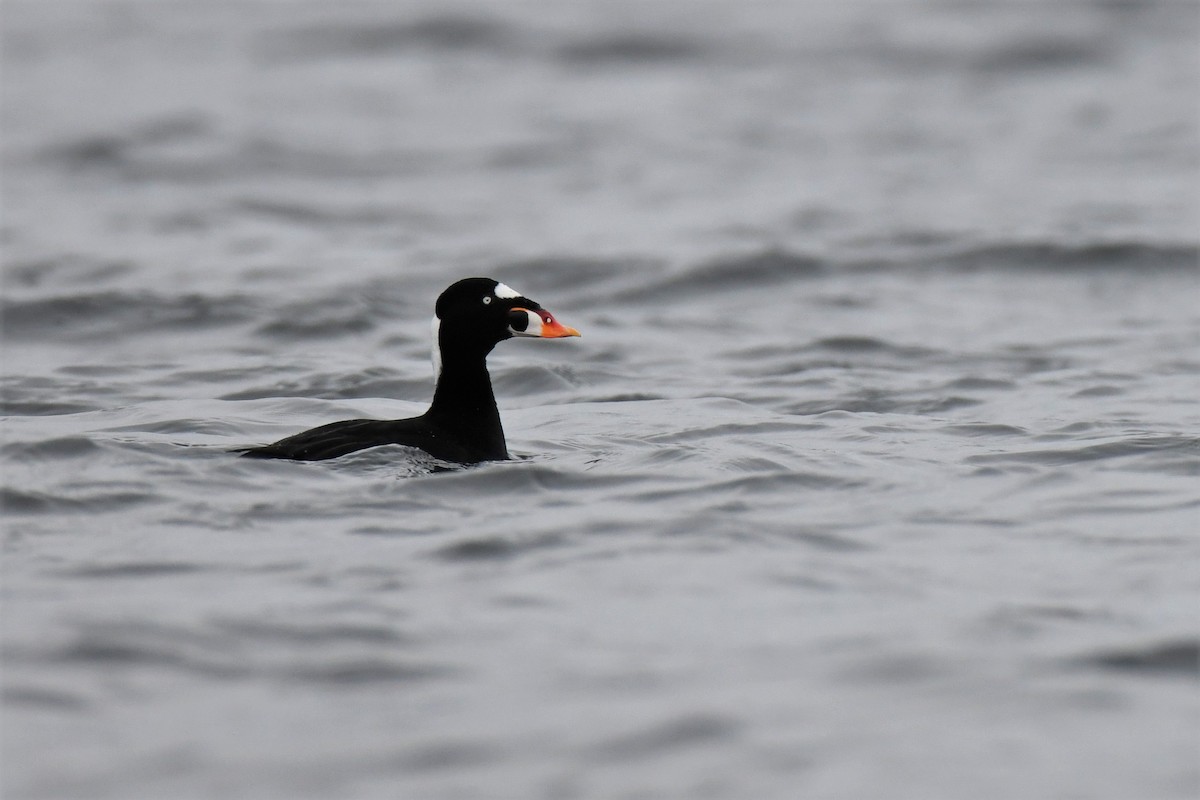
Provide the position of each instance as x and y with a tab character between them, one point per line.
339	438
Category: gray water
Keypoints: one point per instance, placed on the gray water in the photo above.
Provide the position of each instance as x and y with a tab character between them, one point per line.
872	476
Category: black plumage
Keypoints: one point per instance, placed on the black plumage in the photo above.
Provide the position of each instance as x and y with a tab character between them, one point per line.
463	423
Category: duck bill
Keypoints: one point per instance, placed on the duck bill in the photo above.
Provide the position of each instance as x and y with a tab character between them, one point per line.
556	330
542	325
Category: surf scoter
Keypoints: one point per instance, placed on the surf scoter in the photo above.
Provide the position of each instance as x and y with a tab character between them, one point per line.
462	424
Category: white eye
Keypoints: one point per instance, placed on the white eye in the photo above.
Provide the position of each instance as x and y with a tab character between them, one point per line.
487	300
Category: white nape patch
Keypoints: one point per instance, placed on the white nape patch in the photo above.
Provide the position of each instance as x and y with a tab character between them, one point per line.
505	292
434	328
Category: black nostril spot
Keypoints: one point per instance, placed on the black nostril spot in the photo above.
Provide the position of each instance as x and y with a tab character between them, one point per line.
518	320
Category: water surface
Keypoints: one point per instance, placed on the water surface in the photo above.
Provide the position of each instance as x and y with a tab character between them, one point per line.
874	473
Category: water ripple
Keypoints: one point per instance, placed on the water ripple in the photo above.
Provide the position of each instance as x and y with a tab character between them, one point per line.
1173	658
112	313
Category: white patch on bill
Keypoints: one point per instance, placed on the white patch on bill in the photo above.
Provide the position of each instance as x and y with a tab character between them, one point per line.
434	328
533	329
505	292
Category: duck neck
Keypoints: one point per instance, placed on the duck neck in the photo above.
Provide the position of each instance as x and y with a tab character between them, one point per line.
463	401
464	387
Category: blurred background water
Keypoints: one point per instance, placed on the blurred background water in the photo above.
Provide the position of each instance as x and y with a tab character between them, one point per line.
874	474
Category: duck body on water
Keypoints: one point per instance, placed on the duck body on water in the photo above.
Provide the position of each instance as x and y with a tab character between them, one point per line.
462	424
